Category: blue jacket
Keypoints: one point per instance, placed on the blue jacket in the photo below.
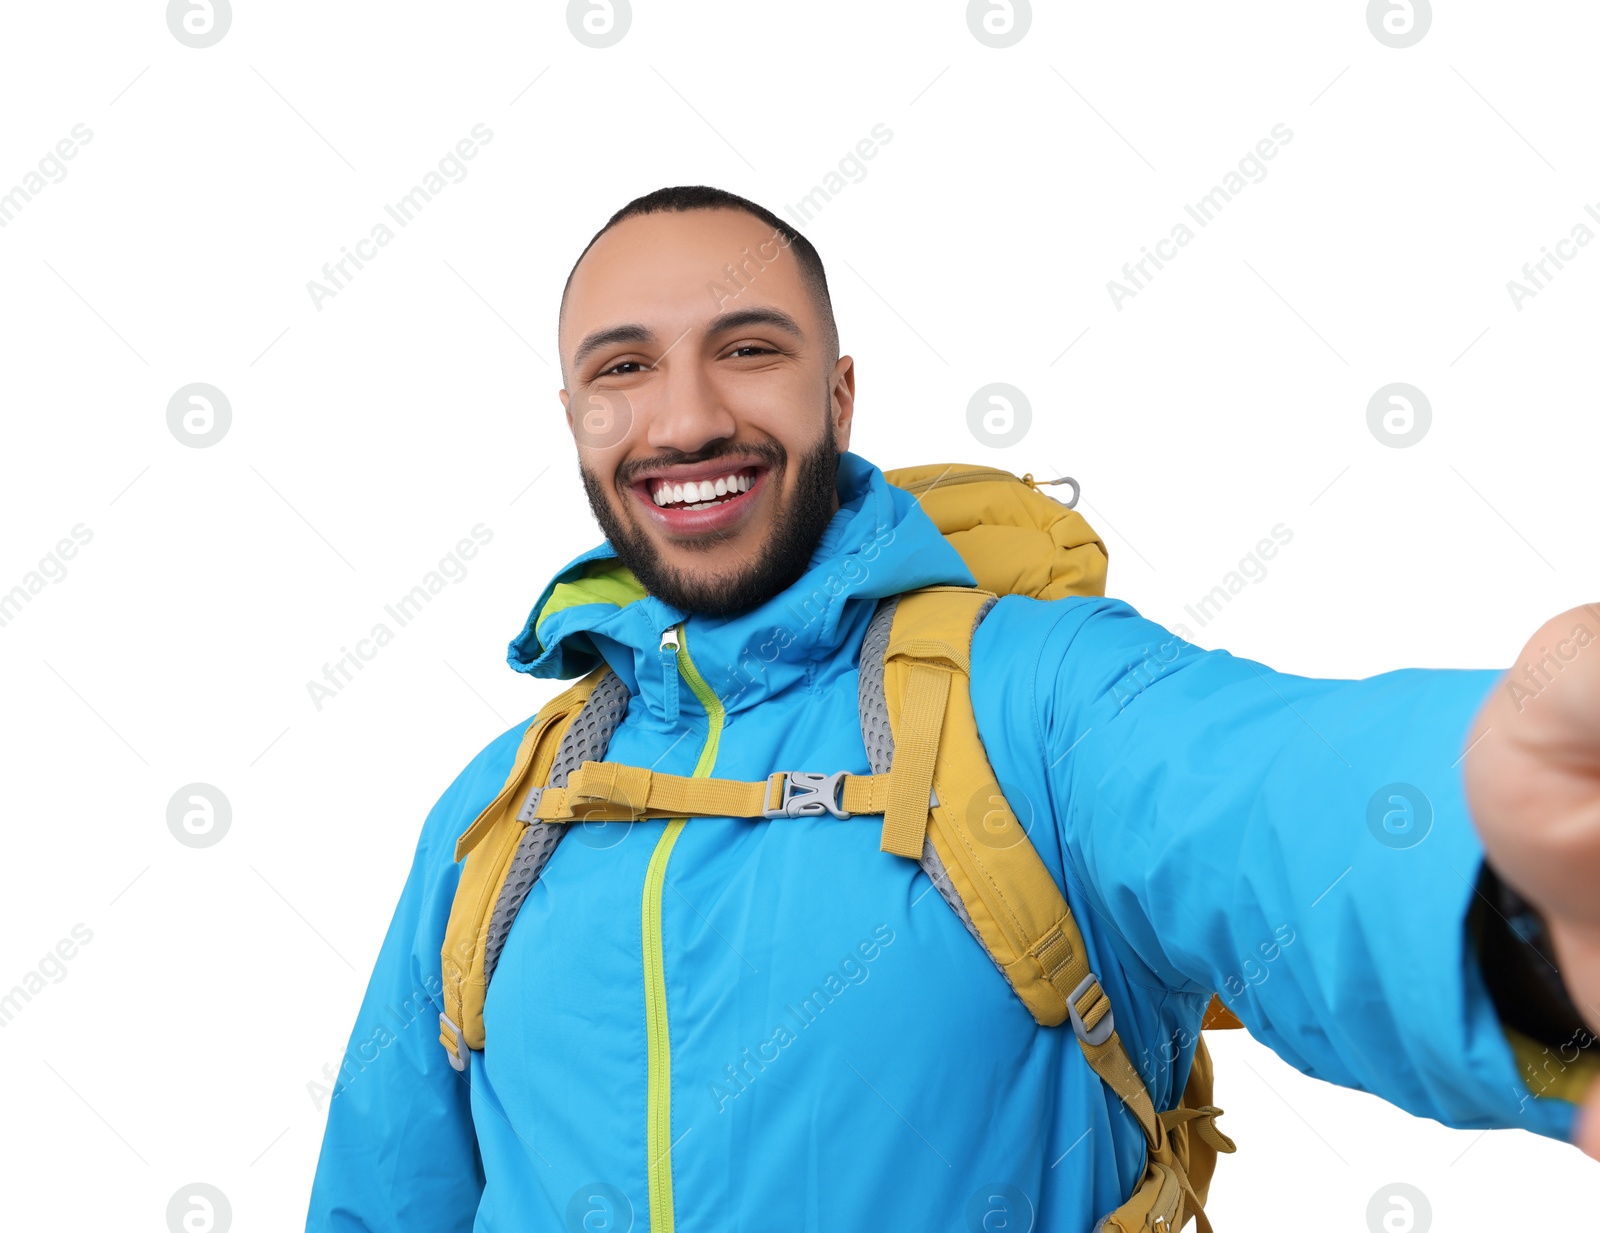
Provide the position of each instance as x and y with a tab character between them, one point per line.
837	1053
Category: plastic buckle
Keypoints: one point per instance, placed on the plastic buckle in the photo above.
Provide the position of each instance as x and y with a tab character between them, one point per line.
807	794
1101	1032
458	1055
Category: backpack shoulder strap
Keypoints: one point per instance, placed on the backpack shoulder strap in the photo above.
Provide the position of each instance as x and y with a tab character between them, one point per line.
506	848
981	858
918	725
962	762
935	626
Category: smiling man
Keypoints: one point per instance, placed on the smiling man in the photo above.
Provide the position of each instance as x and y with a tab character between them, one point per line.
729	483
644	975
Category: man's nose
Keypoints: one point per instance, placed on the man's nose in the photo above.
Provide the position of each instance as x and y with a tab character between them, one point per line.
688	413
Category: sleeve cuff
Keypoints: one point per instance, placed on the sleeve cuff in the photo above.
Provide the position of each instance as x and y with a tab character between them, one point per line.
1556	1053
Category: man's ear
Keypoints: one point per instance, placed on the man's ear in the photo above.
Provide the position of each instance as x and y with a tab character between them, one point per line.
567	407
842	401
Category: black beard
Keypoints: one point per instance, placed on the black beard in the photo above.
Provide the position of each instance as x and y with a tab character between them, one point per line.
778	563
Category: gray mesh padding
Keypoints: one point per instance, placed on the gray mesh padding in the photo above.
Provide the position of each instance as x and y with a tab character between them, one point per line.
880	745
869	692
585	740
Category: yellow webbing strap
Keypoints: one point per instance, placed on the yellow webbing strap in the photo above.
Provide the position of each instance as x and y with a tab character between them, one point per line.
1060	955
488	846
905	821
1111	1062
613	791
1109	1059
1205	1122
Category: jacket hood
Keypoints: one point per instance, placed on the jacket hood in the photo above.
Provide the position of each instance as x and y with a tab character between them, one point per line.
878	543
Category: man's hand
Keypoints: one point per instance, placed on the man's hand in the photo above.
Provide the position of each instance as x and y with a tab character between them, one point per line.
1533	788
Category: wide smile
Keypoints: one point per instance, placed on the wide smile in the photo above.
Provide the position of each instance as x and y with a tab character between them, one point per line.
703	498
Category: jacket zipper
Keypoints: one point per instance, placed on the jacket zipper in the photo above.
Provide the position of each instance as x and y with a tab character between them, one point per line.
658	1094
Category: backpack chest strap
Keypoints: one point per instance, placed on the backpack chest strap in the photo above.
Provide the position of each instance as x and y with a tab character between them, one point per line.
616	792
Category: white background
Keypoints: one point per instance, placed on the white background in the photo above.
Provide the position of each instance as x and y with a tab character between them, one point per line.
369	436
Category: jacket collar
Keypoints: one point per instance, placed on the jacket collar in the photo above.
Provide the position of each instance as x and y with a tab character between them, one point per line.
878	543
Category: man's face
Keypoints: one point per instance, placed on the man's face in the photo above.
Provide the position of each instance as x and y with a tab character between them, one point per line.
707	416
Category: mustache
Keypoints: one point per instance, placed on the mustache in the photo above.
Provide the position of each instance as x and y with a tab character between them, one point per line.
768	452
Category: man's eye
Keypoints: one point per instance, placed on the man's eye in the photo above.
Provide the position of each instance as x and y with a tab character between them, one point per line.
754	347
623	364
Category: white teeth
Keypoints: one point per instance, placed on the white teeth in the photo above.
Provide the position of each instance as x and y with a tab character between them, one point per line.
700	494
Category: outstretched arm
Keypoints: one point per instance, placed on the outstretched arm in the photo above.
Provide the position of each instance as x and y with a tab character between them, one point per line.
1211	807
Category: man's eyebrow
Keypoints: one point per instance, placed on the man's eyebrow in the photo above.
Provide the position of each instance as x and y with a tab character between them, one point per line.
738	319
608	337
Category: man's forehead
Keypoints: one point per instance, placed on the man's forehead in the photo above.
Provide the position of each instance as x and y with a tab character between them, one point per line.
691	265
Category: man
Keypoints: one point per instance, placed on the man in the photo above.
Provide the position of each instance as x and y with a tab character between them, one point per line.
751	1024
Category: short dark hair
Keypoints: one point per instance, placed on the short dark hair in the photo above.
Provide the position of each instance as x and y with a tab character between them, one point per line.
703	197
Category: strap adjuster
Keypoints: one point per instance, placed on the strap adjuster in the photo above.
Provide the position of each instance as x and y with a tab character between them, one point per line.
1107	1024
455	1048
530	807
806	794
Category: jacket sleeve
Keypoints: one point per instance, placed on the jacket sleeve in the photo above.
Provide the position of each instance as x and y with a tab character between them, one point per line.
1299	845
399	1153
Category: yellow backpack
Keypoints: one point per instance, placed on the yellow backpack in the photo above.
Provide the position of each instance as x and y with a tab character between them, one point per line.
928	766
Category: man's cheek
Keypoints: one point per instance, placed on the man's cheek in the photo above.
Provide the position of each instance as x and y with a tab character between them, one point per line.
601	419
